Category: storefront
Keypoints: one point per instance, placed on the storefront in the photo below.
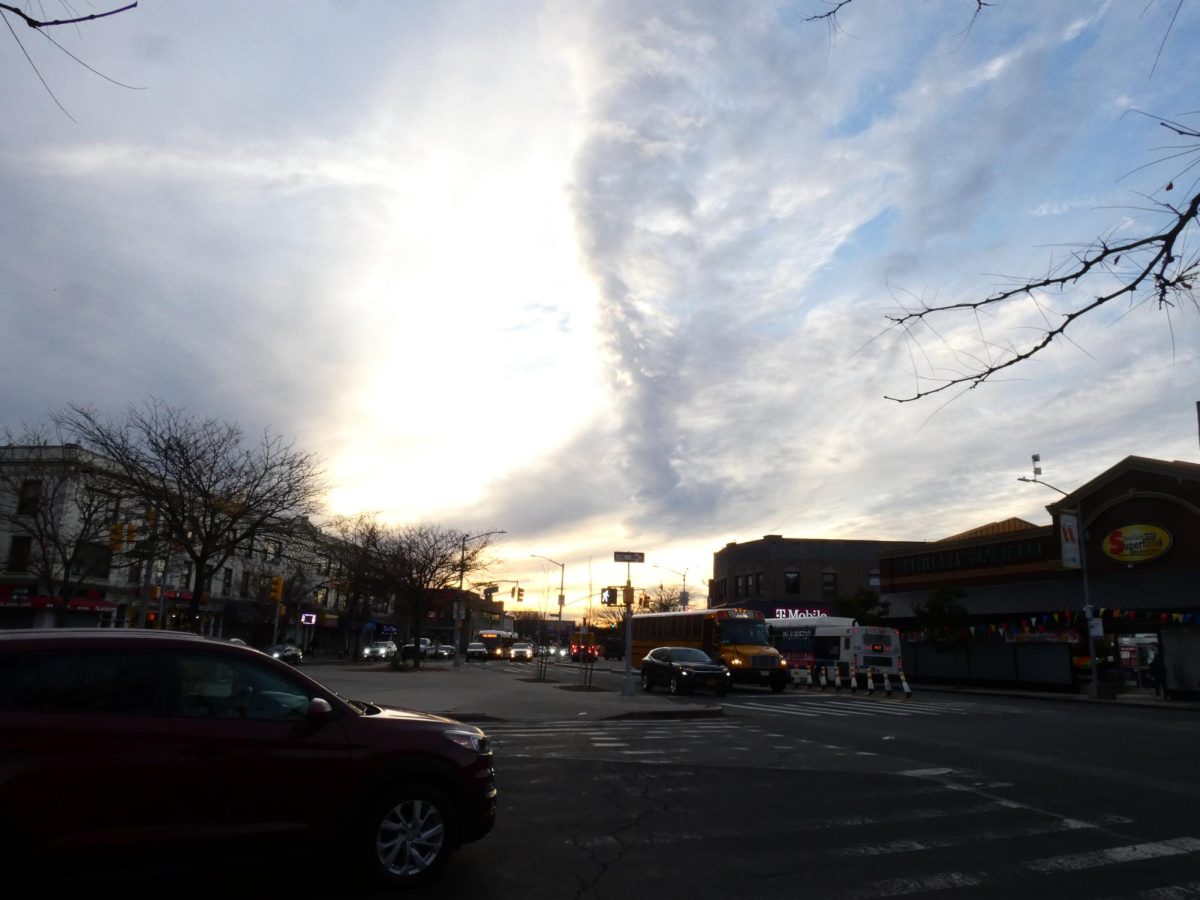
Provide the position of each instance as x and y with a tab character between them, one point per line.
1125	547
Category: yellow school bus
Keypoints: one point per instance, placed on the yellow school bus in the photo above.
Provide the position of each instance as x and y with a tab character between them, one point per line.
737	637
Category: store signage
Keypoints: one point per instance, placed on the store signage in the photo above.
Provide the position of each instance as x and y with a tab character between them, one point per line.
1068	532
1136	543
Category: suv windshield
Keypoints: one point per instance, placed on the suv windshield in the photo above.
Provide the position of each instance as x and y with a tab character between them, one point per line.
690	654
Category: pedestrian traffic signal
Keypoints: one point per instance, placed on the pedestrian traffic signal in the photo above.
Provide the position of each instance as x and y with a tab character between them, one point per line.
608	596
277	587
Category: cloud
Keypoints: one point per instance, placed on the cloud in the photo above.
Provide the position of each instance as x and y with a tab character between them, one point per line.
604	274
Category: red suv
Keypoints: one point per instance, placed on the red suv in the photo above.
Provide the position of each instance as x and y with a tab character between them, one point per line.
123	743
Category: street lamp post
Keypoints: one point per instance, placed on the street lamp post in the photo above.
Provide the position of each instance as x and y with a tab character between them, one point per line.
562	573
1093	690
458	603
683	594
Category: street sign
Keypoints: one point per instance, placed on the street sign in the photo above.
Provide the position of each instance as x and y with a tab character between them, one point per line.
628	556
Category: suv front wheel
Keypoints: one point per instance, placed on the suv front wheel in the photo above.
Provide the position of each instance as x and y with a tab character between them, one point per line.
409	835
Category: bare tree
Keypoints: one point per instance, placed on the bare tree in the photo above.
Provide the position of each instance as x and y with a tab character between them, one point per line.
1157	266
610	616
63	509
664	598
422	561
353	545
211	495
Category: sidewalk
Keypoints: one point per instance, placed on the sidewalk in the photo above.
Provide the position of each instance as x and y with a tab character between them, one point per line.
1134	698
472	692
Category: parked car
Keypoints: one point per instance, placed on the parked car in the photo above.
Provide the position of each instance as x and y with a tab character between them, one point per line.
683	669
289	653
379	650
168	746
476	650
407	651
521	652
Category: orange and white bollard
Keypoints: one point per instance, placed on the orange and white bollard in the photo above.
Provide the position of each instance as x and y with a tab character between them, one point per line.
853	679
887	685
824	679
870	683
904	684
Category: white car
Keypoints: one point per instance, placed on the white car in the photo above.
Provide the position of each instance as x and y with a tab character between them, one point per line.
379	650
521	652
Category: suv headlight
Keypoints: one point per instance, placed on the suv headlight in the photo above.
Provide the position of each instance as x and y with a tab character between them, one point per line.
471	740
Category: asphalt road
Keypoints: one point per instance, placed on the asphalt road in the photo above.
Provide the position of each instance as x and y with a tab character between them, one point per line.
839	796
827	796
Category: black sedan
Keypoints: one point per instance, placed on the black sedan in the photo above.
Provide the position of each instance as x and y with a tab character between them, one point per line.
683	669
289	653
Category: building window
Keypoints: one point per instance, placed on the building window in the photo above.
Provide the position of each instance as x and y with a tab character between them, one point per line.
226	581
791	582
18	553
758	584
737	586
31	496
92	561
244	587
829	581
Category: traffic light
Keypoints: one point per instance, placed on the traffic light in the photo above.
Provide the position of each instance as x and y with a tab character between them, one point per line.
131	532
520	594
116	537
277	587
627	591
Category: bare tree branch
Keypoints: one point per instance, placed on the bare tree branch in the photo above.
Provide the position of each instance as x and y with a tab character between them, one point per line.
1155	268
41	23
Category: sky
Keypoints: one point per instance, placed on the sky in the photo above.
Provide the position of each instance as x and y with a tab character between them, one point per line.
604	276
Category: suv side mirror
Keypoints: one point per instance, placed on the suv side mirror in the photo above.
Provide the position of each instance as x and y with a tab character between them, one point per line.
319	709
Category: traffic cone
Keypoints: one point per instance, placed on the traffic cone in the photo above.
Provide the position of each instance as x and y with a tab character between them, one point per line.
870	683
887	685
809	676
821	674
853	679
904	684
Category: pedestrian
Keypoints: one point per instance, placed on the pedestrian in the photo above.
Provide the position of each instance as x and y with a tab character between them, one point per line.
1158	673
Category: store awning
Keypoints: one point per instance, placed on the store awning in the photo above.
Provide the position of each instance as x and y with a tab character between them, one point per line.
1163	590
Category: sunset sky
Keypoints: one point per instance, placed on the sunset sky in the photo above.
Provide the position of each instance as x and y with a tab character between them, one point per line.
605	275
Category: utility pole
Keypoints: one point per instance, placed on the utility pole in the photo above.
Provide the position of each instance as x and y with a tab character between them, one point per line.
458	601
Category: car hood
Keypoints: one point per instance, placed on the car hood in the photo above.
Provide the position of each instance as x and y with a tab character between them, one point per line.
399	713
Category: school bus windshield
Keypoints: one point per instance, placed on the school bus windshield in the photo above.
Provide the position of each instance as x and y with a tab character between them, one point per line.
744	631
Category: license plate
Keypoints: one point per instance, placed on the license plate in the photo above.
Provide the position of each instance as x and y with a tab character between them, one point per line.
710	682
